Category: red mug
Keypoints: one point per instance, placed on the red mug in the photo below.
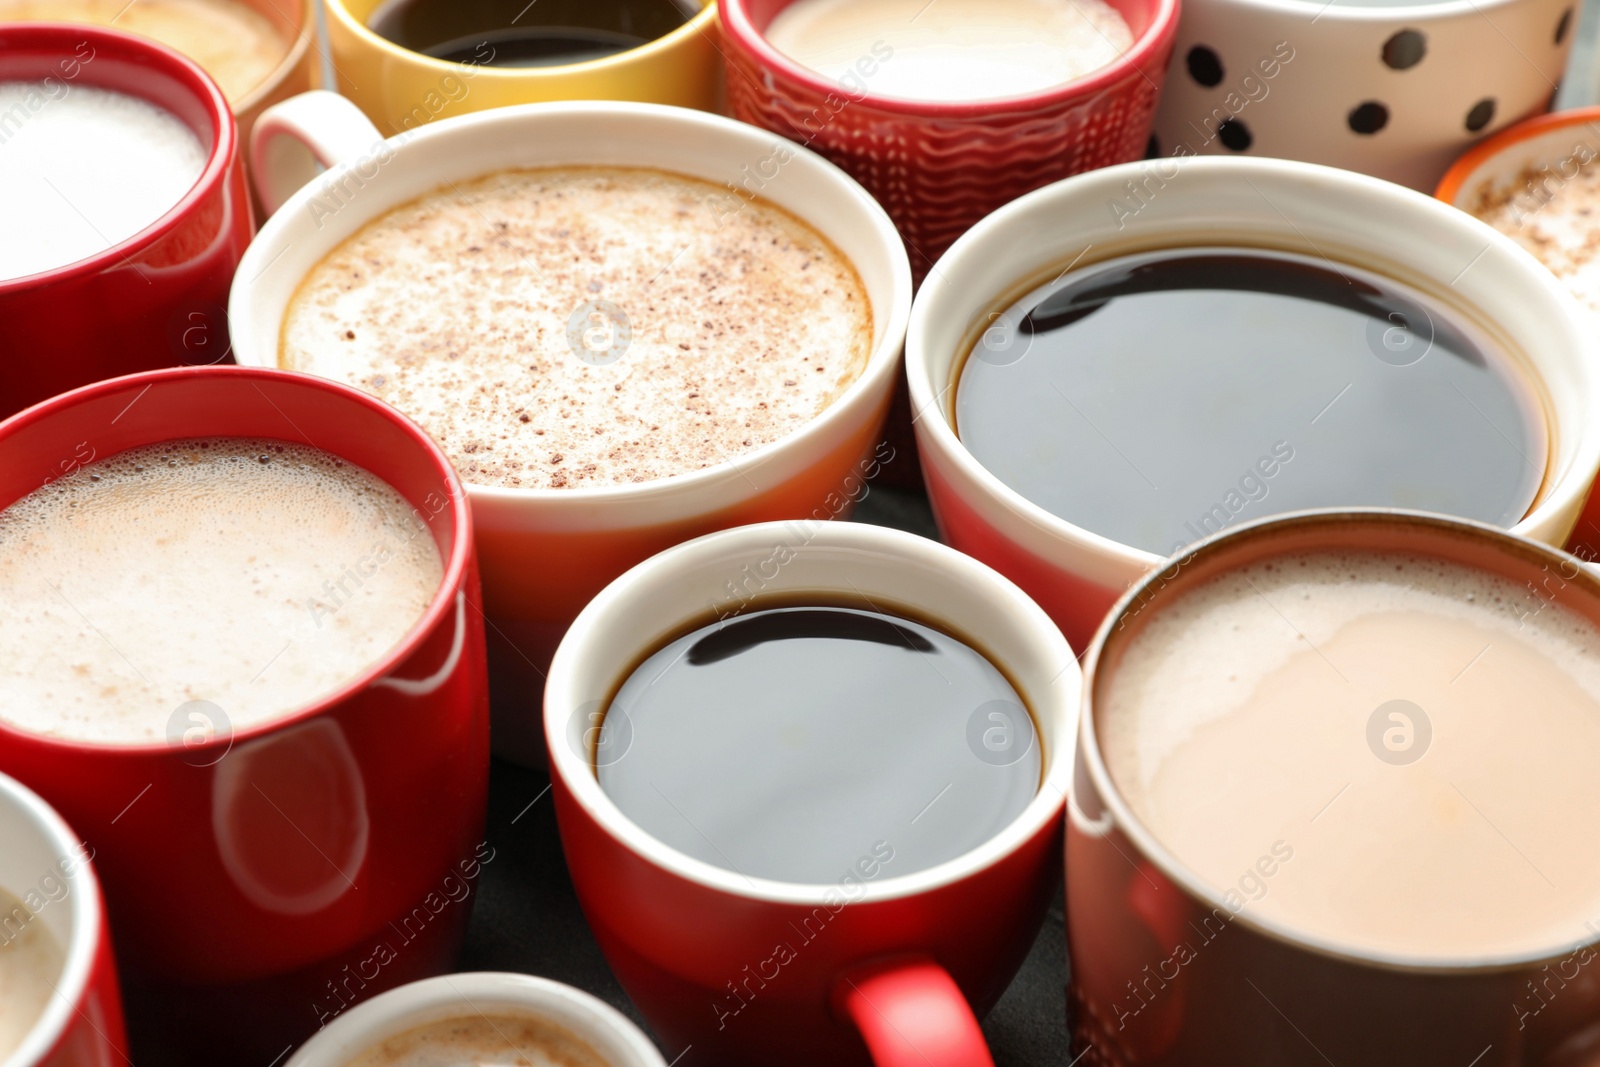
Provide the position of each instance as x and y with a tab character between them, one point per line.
156	299
892	970
46	871
261	879
939	167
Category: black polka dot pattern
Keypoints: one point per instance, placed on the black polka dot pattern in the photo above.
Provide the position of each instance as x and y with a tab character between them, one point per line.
1481	115
1564	25
1204	66
1369	118
1404	50
1235	135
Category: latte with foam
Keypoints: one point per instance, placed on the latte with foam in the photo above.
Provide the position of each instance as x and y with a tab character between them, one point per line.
951	50
255	575
1398	753
235	43
479	1040
83	169
586	326
31	962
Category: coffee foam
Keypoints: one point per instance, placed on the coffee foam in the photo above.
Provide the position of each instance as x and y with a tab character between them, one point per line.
952	50
1239	718
255	574
1559	227
31	964
82	169
509	1040
455	308
235	43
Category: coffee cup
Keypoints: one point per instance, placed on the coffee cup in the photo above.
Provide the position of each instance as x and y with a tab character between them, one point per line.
400	88
1338	222
514	1011
877	964
62	1007
1191	947
262	872
584	536
939	166
104	305
1395	91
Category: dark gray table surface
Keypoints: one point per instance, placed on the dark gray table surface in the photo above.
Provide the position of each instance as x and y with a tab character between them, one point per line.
527	917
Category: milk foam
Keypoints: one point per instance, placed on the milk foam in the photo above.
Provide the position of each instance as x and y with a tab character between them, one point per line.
1239	719
952	50
257	575
31	964
235	43
745	323
82	169
478	1039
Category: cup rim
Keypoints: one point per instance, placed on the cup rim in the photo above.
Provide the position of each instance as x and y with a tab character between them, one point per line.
387	1014
1457	179
292	57
883	361
927	398
587	637
88	927
337	10
224	147
1144	52
1149	588
456	567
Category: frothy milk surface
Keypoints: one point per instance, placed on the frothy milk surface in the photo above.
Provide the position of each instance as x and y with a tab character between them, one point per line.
235	43
257	575
1239	728
951	50
83	169
483	1041
477	311
31	963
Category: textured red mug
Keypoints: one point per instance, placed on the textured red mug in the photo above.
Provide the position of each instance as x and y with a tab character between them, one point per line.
876	969
46	870
939	167
156	299
261	879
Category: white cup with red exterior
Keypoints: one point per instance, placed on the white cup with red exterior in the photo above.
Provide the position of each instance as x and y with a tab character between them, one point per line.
1077	574
606	1031
45	870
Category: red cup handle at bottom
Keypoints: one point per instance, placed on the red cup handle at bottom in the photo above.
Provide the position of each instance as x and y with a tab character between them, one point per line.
912	1014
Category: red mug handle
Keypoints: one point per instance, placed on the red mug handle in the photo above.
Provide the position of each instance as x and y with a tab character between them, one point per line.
911	1013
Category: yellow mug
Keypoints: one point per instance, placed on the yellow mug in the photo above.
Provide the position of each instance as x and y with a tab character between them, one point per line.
400	89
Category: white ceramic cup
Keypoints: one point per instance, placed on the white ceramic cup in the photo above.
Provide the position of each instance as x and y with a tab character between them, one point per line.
1075	573
47	870
1301	79
603	1028
545	552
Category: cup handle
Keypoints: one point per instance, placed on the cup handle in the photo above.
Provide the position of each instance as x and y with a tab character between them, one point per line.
911	1013
298	138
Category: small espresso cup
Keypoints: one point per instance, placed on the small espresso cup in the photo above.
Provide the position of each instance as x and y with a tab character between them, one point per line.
1171	969
1395	90
155	299
877	968
48	889
939	167
546	552
1076	574
400	89
570	1014
253	873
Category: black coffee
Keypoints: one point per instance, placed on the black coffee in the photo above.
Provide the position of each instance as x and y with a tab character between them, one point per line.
516	33
1158	398
804	744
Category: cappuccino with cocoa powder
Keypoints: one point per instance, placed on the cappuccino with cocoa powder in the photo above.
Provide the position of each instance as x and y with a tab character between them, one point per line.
583	327
476	1040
